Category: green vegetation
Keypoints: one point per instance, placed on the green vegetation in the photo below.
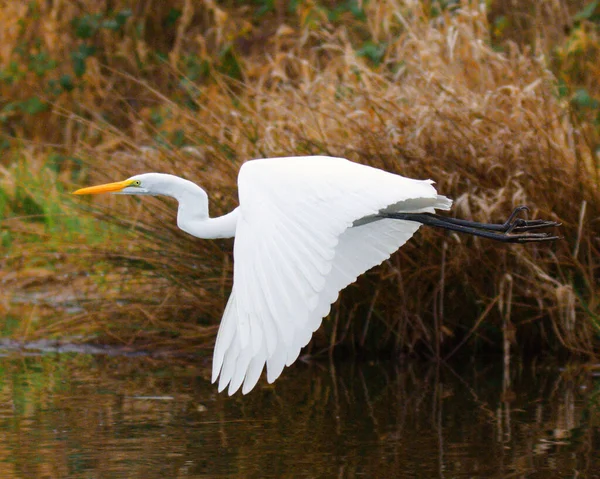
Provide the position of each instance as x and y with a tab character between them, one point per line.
500	106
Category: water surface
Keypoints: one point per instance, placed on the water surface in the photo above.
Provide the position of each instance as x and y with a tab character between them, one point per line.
96	416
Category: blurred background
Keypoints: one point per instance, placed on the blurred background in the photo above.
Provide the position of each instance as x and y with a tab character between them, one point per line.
108	312
497	101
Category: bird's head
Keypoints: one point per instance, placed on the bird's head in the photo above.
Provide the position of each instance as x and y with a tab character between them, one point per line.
144	184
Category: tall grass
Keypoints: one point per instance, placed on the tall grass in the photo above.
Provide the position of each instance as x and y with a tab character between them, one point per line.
424	89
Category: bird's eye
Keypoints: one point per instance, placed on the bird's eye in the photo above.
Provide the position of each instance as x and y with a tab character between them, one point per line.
136	183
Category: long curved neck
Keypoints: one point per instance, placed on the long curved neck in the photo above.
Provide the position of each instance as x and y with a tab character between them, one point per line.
192	215
207	228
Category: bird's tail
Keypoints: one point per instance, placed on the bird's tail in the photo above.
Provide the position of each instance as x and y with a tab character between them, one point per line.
442	203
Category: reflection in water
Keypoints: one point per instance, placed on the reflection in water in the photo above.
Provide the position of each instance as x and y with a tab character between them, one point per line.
114	417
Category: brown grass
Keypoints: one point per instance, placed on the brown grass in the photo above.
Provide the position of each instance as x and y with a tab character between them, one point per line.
489	127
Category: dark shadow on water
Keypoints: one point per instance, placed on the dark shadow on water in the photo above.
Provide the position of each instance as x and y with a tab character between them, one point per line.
74	415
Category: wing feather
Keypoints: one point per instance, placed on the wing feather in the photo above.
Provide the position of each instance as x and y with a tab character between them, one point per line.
276	363
383	238
274	307
229	364
296	248
227	331
254	371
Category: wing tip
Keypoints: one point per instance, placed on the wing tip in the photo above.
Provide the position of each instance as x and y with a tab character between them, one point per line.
232	390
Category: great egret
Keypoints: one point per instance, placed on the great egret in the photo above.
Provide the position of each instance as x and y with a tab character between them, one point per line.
306	228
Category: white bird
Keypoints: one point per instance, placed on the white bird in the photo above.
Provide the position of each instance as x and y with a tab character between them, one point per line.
305	229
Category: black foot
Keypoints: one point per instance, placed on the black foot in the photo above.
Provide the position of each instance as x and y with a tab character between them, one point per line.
514	224
514	230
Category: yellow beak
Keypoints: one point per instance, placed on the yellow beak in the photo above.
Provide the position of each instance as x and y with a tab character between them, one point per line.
107	188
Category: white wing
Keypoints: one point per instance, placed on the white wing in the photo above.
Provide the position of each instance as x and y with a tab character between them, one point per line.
296	248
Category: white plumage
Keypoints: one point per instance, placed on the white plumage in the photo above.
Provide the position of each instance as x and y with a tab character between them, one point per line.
305	229
296	248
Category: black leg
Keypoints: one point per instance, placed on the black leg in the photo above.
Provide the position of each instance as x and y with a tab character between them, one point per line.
512	224
512	231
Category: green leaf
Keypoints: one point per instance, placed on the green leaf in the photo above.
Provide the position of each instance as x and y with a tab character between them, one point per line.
156	118
229	64
66	82
140	29
194	68
7	110
372	51
586	12
352	6
86	26
27	205
86	50
172	17
5	239
562	88
122	16
53	88
583	99
33	106
111	24
55	162
357	10
78	64
79	57
9	326
40	63
118	21
266	7
162	57
293	6
178	138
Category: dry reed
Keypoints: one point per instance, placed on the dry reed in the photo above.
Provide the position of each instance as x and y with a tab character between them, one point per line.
421	94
